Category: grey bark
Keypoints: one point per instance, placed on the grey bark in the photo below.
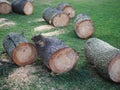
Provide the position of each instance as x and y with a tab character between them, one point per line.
5	1
12	40
50	13
62	5
81	17
46	47
18	6
100	54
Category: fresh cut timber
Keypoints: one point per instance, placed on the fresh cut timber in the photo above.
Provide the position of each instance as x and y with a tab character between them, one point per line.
23	7
19	49
84	27
56	55
55	17
104	57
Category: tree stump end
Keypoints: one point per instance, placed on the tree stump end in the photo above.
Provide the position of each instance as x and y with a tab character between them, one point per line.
114	69
85	29
24	54
5	7
28	8
63	60
60	20
70	11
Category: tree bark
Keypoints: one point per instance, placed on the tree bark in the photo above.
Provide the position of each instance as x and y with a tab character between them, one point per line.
67	8
84	27
55	17
23	7
18	48
5	7
104	57
56	55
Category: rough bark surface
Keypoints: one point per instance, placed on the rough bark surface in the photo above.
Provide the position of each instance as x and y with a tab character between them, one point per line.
5	7
23	7
12	40
84	27
48	47
18	48
50	13
100	54
70	10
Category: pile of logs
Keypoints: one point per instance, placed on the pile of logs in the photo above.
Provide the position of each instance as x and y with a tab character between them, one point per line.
104	57
54	53
18	6
59	16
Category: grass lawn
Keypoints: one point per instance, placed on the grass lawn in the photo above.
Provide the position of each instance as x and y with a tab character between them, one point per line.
106	17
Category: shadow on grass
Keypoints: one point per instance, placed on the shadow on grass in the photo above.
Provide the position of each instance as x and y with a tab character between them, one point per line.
6	68
84	78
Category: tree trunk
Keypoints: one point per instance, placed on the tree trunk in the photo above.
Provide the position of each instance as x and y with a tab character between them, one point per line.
104	57
84	27
5	7
23	7
55	17
18	48
56	55
67	8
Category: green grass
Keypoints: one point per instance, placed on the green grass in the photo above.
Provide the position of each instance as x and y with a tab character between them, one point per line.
104	13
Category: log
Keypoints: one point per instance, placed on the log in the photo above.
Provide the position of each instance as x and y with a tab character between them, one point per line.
56	55
5	7
84	27
104	57
55	17
19	49
67	8
23	7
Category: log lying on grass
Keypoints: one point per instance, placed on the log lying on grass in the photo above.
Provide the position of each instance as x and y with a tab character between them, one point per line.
5	7
104	57
55	17
23	7
84	26
18	48
55	54
67	8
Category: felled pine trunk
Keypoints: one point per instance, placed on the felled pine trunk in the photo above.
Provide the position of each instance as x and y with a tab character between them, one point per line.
84	27
5	7
67	8
23	7
56	55
55	17
19	49
104	57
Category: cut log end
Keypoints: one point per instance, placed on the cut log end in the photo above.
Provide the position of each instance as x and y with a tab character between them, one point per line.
28	8
60	20
63	60
24	54
84	29
5	8
70	11
114	69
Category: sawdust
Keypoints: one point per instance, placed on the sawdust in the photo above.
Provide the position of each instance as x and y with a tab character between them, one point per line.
6	23
21	77
54	33
37	20
43	28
